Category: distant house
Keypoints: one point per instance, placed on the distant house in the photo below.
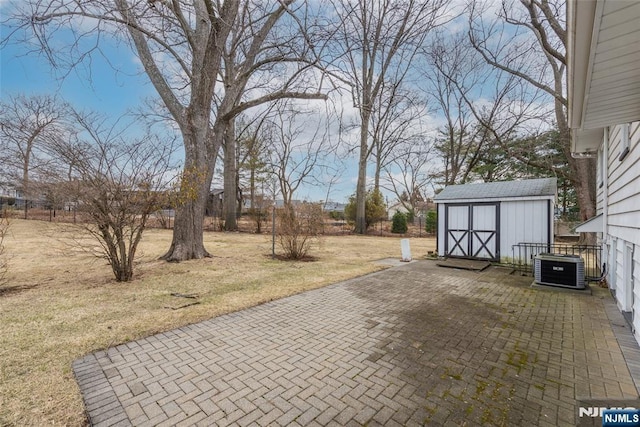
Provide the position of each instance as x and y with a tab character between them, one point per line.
421	208
214	203
484	221
334	207
604	114
9	190
294	203
425	206
395	208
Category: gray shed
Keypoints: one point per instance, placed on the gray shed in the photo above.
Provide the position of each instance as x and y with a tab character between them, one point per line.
484	221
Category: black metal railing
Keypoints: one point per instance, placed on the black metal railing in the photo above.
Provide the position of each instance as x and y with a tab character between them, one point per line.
523	253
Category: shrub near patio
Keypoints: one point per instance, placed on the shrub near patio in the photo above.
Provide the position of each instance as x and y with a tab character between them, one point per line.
61	303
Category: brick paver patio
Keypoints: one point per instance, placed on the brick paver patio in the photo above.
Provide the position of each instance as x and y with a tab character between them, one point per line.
411	345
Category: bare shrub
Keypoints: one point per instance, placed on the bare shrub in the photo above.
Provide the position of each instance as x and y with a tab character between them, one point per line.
260	211
298	229
119	200
118	184
163	218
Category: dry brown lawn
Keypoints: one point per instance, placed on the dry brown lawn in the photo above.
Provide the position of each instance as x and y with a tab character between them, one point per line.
62	303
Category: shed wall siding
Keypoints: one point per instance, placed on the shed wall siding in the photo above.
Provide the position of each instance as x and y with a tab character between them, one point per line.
441	229
523	222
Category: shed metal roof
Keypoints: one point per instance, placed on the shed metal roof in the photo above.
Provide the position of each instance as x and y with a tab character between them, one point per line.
500	190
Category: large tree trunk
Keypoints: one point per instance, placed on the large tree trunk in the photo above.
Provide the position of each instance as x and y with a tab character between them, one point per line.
200	154
361	189
25	187
188	242
585	187
376	179
252	187
583	171
230	171
583	175
584	183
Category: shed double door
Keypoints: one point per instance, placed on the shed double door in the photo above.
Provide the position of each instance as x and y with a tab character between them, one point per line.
471	231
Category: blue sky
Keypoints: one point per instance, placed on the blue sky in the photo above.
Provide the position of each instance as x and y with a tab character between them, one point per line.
108	91
109	87
118	85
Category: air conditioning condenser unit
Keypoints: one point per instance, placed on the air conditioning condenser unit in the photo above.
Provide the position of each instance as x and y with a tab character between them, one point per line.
559	270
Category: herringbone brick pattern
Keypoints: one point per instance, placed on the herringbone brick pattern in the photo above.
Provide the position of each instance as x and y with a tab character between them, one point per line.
413	345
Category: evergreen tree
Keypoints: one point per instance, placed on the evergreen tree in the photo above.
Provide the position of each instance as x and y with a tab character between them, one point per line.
399	223
375	209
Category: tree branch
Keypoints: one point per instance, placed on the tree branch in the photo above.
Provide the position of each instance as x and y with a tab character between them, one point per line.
151	67
271	97
541	33
513	72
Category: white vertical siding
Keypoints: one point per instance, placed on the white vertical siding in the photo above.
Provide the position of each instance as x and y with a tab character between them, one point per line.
523	222
458	219
520	221
483	243
484	217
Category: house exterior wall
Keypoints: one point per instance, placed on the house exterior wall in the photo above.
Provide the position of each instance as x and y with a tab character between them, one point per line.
620	190
602	83
636	293
623	190
600	171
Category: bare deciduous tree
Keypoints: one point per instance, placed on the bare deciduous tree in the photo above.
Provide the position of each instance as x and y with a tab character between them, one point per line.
377	43
29	126
182	46
300	150
527	39
268	57
454	142
484	109
410	172
395	121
